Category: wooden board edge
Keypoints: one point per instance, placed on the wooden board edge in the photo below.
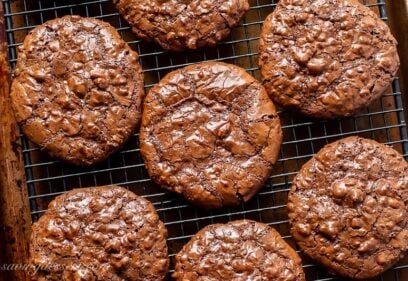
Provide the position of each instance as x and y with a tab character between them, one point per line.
397	11
15	220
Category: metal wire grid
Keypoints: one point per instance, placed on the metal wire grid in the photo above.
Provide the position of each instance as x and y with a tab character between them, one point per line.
47	177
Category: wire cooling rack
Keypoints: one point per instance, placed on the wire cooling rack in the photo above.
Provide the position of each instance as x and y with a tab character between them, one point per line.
46	177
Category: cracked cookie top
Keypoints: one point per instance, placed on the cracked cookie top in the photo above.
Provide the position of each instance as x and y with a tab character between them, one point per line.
240	250
348	207
182	24
77	89
98	234
210	132
327	58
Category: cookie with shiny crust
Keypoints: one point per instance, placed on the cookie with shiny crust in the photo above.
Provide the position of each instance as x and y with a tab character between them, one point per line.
348	207
77	89
98	234
210	132
326	59
178	25
239	250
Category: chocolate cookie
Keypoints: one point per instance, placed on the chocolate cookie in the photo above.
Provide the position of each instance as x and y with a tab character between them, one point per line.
239	250
348	207
177	25
210	132
327	58
77	89
102	233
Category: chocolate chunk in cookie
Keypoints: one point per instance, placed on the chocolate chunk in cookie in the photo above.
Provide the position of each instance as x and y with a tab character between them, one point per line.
98	234
328	58
210	132
77	89
348	207
177	25
239	250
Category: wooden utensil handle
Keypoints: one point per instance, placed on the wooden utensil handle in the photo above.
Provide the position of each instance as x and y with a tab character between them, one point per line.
15	219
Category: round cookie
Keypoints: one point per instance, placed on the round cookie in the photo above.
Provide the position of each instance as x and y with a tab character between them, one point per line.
101	233
348	207
77	89
239	250
327	58
210	132
177	25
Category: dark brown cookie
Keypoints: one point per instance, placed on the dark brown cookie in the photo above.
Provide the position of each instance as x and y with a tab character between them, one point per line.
239	250
177	25
77	89
327	58
210	132
348	207
101	233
